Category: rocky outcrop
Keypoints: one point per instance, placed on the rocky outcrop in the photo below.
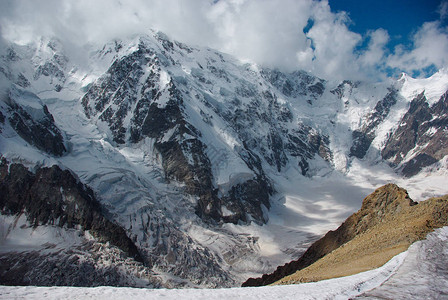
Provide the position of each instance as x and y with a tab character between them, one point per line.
420	139
363	137
32	121
49	64
295	84
54	196
388	218
54	68
2	121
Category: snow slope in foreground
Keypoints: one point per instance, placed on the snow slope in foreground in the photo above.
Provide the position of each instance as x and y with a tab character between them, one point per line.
394	278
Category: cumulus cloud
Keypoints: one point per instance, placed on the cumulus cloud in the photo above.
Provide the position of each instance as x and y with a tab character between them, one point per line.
333	43
102	20
267	32
375	52
430	48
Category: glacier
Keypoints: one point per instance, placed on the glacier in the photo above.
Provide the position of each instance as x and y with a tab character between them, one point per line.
416	273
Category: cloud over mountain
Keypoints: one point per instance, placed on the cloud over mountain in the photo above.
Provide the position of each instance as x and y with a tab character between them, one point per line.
288	35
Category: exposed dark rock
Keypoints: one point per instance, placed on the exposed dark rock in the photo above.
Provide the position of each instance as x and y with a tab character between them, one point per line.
22	81
156	111
160	120
345	87
305	142
55	67
40	131
165	41
317	89
49	69
11	55
361	143
405	137
2	120
422	128
362	138
275	143
118	85
246	200
53	196
420	161
304	166
295	84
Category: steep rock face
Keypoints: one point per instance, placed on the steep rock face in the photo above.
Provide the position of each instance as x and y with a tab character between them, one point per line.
363	137
420	139
387	200
154	110
54	68
2	120
53	196
144	95
296	84
32	121
49	65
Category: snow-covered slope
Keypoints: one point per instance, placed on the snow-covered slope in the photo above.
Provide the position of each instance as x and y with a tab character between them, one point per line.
216	169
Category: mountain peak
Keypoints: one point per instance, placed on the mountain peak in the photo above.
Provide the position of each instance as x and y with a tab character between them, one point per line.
386	199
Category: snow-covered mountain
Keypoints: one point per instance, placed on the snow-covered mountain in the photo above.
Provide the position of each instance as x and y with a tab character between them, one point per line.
217	170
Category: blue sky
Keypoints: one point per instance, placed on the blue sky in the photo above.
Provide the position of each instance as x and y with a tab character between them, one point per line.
401	18
334	39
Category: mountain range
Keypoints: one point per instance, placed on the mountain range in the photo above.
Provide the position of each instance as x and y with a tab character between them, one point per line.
158	164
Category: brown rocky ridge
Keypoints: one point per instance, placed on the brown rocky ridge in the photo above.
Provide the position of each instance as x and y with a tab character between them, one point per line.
388	222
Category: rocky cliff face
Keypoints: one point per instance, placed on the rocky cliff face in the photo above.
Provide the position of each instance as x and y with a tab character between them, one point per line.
363	137
156	110
53	200
420	139
52	196
30	119
143	95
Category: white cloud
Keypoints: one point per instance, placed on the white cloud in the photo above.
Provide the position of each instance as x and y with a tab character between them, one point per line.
443	10
334	43
430	48
102	20
268	32
376	48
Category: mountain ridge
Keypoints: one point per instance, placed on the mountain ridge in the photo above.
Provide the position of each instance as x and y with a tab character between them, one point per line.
388	206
